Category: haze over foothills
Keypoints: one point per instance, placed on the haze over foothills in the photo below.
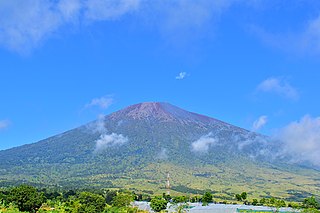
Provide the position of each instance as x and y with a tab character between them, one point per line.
251	63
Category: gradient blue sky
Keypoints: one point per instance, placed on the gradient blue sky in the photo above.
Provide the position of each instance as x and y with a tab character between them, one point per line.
251	63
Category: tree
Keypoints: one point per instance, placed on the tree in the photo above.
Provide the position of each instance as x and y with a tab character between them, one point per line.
255	202
263	201
207	198
311	202
110	194
158	204
238	197
244	195
180	199
90	202
26	198
122	200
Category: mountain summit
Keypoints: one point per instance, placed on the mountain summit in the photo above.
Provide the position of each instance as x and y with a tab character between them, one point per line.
135	148
160	111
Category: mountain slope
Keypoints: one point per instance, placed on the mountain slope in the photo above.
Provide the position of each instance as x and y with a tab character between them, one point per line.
136	147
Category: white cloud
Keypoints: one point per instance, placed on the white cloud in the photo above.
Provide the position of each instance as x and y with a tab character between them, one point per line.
26	24
70	9
259	123
98	126
203	144
23	24
303	41
163	154
112	140
111	9
302	140
181	76
279	86
310	39
4	124
103	102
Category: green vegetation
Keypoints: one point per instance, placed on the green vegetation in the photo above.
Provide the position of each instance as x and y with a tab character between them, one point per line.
25	198
69	161
158	204
207	198
242	196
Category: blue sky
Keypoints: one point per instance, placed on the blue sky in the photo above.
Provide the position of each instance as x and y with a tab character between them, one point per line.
252	63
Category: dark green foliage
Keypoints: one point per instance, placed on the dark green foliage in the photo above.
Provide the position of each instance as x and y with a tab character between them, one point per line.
90	202
166	197
195	199
255	202
207	198
158	204
311	202
180	199
244	195
310	210
69	193
122	199
3	195
278	203
110	194
238	197
27	198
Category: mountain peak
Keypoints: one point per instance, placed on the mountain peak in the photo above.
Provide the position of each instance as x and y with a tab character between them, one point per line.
160	111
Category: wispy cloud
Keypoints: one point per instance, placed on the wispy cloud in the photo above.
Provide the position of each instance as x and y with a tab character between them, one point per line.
259	123
24	25
105	10
103	102
304	41
4	124
302	140
203	144
112	140
181	76
98	126
278	86
163	154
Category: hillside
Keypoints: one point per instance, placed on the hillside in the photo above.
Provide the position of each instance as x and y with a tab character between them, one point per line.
135	148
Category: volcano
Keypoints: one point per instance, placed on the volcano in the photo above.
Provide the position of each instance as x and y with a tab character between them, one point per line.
135	148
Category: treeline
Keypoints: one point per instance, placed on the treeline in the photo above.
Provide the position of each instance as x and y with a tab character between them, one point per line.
25	198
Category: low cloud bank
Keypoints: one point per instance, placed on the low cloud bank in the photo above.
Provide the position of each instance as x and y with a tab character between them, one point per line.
302	140
203	144
112	140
